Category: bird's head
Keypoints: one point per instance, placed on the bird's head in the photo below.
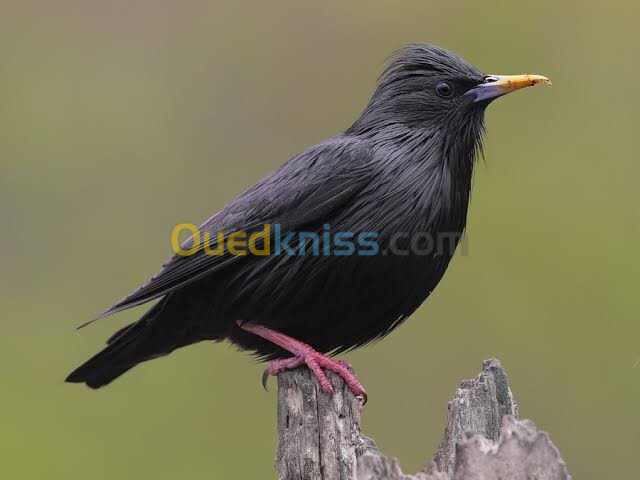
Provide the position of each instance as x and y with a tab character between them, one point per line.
428	86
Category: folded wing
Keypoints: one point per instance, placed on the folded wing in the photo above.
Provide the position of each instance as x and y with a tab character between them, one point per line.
306	189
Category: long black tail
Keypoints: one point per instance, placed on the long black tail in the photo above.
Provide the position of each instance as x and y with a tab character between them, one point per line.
127	348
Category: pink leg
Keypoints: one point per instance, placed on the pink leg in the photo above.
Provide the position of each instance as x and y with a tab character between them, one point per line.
303	353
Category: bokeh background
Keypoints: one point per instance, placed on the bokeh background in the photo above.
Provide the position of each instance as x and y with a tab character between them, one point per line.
120	119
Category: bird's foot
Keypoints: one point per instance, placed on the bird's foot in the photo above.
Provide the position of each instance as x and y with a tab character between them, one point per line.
316	363
305	354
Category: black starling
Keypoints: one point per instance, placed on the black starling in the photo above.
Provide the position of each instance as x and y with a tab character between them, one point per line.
396	182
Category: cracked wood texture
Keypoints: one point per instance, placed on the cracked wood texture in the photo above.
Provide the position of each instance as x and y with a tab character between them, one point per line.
320	436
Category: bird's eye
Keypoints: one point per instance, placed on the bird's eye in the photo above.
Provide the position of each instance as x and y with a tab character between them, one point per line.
444	89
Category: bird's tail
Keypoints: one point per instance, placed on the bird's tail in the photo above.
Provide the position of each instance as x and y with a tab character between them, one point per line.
129	346
125	349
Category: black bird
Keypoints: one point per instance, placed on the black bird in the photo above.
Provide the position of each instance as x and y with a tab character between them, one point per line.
401	174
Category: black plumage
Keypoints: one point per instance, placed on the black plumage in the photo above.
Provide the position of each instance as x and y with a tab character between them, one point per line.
405	165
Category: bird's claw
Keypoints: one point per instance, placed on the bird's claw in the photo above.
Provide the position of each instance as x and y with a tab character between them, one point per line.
280	365
317	363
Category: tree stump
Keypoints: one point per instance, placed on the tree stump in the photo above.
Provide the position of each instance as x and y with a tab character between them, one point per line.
320	436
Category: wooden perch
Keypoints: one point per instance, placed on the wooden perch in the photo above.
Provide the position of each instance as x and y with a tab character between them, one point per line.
320	437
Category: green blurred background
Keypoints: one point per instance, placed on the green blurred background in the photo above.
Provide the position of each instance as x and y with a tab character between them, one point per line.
120	119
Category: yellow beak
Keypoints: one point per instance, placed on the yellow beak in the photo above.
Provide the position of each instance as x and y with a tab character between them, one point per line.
498	85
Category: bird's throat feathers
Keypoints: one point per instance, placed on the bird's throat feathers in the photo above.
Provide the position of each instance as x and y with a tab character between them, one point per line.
462	146
462	142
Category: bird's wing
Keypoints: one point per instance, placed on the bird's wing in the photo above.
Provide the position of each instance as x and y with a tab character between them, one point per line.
308	187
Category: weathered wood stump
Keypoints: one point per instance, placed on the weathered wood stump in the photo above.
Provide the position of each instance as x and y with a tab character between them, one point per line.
320	436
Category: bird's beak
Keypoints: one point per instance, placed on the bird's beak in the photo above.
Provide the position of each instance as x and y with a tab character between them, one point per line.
496	85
